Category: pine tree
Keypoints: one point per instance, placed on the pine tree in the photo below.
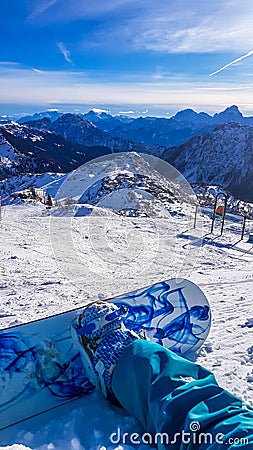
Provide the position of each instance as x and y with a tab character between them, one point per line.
49	201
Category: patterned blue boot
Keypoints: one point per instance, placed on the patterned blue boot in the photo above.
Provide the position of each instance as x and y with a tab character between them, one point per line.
102	338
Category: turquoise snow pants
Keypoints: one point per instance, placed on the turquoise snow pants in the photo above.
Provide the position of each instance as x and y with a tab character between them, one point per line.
178	402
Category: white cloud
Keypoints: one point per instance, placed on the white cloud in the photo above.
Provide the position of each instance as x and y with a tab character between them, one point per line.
20	86
65	52
126	112
166	26
179	27
99	111
8	63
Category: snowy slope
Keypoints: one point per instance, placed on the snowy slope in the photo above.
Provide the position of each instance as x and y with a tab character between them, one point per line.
17	183
34	284
11	161
102	182
25	150
53	262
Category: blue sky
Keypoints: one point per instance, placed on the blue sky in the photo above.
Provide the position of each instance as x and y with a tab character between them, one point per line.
144	56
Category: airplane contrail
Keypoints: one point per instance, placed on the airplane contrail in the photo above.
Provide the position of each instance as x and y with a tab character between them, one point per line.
41	8
232	62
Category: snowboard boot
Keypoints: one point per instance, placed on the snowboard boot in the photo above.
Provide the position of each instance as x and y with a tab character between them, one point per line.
103	336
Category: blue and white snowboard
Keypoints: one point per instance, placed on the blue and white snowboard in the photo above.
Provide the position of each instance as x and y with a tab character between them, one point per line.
41	367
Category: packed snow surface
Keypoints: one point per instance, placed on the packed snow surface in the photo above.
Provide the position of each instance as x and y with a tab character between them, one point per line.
111	255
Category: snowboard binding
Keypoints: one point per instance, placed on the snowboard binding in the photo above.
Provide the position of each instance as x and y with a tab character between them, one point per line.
102	337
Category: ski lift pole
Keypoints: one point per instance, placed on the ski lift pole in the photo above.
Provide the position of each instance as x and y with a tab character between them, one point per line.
243	226
195	217
224	214
214	213
0	207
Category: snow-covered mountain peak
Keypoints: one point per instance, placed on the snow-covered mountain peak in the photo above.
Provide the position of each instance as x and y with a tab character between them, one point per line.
127	181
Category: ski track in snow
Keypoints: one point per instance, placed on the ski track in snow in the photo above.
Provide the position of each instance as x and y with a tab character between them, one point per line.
32	286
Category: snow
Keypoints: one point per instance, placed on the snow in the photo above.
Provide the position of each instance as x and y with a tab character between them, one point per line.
110	255
54	260
49	182
6	150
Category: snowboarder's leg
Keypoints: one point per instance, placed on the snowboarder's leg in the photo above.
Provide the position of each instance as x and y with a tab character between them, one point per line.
166	393
171	395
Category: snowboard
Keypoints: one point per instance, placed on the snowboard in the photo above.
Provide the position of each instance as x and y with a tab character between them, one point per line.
40	364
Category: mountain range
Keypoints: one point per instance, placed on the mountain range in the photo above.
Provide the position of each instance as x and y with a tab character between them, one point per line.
179	128
208	150
152	131
78	129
